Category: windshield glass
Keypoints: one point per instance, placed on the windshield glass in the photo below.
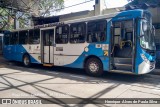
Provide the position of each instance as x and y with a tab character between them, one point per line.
147	33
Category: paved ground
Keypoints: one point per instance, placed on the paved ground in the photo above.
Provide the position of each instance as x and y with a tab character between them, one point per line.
17	81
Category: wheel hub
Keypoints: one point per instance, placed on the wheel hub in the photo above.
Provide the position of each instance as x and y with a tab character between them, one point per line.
26	61
93	67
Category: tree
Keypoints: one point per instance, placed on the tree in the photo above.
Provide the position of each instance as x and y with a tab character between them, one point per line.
5	19
31	8
47	7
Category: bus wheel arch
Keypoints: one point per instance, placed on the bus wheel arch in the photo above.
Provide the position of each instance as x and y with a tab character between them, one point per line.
93	66
26	60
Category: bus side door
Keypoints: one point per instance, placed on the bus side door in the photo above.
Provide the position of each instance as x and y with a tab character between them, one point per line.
47	41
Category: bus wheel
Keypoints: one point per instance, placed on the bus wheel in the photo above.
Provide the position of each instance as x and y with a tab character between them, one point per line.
94	67
26	61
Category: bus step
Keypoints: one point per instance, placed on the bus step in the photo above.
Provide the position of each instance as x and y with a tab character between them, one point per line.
48	65
125	67
123	60
121	71
119	64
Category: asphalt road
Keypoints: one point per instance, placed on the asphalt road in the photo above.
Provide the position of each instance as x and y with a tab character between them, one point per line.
17	81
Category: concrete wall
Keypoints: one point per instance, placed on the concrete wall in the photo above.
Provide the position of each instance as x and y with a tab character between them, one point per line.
84	14
155	14
112	10
76	15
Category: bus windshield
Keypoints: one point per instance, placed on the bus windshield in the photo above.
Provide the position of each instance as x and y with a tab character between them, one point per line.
147	33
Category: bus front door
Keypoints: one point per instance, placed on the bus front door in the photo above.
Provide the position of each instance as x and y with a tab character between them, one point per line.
123	49
47	39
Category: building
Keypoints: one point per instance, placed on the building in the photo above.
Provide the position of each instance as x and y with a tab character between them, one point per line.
99	9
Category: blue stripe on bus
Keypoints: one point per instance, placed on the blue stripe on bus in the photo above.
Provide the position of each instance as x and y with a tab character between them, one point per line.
16	52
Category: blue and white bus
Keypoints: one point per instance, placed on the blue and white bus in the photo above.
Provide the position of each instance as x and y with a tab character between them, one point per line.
118	42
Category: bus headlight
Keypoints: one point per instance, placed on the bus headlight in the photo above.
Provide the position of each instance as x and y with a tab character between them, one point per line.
145	59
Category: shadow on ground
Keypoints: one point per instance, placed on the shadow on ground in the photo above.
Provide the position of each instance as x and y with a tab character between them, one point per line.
67	73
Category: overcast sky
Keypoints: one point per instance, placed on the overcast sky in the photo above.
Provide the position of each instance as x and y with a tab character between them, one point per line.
89	5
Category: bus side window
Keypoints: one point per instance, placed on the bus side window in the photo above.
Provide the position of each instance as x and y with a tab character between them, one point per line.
14	38
23	37
78	33
51	34
62	33
31	35
7	38
34	36
96	31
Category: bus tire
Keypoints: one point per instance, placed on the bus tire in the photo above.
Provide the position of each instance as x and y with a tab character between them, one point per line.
94	67
26	60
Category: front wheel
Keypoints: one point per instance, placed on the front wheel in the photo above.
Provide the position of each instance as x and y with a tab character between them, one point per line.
94	67
26	61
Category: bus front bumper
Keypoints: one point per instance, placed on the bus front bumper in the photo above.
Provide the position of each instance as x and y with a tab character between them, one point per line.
145	67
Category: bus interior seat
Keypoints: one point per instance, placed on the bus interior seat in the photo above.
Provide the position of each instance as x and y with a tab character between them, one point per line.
124	52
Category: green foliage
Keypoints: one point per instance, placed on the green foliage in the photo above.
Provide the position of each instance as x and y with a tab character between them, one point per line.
47	7
4	19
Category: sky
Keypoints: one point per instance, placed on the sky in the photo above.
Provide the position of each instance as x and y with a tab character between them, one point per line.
88	5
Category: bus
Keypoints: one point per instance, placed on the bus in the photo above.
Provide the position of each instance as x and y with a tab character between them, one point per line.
1	43
118	42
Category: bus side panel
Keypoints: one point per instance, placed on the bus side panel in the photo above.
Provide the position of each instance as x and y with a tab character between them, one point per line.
34	52
20	52
67	54
97	50
16	52
93	50
78	63
10	52
7	52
